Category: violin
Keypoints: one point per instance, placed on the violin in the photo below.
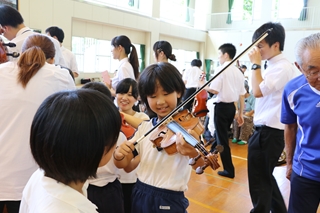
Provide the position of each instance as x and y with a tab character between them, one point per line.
165	138
4	52
173	122
200	102
127	130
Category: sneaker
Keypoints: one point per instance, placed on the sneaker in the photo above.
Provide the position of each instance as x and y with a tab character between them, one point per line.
242	142
234	140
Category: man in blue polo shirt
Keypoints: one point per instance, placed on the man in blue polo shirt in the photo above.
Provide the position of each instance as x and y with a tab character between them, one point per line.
300	114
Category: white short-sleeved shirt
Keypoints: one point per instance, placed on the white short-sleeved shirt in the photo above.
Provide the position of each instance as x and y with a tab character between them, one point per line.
268	108
229	84
21	37
131	177
109	172
69	59
192	76
125	70
157	168
44	194
18	106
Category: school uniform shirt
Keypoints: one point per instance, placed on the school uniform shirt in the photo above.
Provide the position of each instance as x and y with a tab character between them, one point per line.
125	70
18	106
275	77
229	84
109	172
131	177
69	59
21	36
192	76
44	194
301	105
157	168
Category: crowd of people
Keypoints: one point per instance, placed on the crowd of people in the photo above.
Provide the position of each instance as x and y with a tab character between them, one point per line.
89	149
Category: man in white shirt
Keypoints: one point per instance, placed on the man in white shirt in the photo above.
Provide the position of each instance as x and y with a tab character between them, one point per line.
13	29
228	87
71	63
267	141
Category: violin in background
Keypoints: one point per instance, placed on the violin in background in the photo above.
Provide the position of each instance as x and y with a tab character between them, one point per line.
4	51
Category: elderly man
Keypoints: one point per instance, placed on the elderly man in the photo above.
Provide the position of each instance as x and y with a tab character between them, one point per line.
300	114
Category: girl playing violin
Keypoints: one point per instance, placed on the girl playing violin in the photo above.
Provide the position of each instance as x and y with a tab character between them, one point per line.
162	178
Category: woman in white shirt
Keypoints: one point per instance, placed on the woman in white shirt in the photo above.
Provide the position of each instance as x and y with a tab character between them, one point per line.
128	67
24	85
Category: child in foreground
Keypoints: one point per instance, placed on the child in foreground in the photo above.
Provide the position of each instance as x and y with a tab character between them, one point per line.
162	178
69	142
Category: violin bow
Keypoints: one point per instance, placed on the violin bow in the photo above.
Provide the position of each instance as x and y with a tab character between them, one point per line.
169	116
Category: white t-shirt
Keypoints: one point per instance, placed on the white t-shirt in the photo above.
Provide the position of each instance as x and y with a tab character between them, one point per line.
192	76
125	70
21	37
157	168
18	106
267	109
109	172
69	59
229	84
44	194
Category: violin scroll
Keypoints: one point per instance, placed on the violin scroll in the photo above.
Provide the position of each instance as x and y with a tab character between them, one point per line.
211	160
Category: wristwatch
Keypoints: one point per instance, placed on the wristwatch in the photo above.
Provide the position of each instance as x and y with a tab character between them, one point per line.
255	66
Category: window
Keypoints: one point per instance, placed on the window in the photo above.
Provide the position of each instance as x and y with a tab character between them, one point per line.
139	6
94	55
175	10
281	10
184	59
246	9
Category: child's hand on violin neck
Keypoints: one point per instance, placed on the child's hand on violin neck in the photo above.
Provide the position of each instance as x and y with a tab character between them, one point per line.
183	147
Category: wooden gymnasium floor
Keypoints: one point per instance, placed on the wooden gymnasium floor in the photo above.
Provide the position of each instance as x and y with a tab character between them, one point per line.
211	193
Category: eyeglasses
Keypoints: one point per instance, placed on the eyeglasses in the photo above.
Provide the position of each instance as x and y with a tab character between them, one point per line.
313	75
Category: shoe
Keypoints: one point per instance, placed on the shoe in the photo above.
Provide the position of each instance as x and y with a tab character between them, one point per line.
225	174
234	140
242	142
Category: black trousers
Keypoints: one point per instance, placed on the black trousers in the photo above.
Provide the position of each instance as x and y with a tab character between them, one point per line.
187	94
264	149
304	194
12	206
108	199
223	117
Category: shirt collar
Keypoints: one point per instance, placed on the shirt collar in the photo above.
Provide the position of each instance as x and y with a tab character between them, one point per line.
275	59
122	61
23	30
68	195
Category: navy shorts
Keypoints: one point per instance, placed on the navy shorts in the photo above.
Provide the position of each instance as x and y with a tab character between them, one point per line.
146	199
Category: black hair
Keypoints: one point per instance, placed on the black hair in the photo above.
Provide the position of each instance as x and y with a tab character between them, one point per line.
166	75
99	87
124	86
228	48
277	34
125	42
70	133
10	16
196	63
57	32
166	48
